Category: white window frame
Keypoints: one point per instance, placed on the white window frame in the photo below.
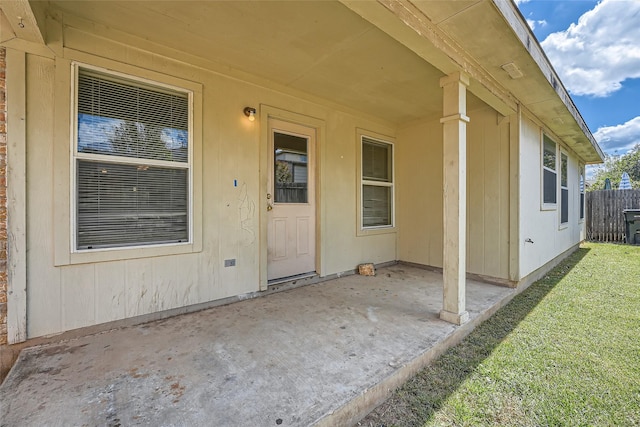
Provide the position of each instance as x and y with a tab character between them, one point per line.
546	205
382	139
77	155
564	187
64	171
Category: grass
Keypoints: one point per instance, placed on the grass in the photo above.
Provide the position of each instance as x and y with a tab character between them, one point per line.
564	352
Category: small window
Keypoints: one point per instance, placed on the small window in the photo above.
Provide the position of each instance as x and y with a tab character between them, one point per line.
377	183
132	162
581	192
549	172
564	189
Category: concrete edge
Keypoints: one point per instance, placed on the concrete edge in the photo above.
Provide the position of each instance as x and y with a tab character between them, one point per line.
357	408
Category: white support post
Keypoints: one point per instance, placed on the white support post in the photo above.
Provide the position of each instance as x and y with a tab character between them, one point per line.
454	129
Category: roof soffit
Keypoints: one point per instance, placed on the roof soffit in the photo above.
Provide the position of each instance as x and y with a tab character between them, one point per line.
453	28
505	37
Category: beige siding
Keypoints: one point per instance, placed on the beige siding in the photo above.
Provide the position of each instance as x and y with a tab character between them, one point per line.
70	296
44	308
420	183
420	192
488	194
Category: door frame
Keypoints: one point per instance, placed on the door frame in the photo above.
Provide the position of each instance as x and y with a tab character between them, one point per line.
268	112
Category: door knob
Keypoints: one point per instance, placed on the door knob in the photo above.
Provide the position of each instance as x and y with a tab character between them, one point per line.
269	206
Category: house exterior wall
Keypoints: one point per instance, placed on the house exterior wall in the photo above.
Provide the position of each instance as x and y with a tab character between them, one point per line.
67	295
68	291
3	200
420	192
542	225
488	194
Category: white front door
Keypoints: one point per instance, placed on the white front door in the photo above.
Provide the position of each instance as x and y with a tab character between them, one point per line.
291	235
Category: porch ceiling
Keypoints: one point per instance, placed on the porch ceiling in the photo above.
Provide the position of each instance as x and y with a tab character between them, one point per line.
384	58
321	48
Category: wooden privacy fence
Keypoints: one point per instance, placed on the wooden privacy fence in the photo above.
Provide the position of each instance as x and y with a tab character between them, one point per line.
605	221
291	192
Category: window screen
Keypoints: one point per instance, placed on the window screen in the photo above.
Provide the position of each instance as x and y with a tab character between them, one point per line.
549	187
549	171
564	189
132	163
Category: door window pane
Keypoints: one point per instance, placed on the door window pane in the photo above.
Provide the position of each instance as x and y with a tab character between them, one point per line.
290	168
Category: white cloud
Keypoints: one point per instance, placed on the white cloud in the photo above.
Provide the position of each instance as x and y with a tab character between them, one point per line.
594	56
620	138
519	2
533	23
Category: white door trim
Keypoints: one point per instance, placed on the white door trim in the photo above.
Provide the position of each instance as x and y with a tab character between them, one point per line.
269	112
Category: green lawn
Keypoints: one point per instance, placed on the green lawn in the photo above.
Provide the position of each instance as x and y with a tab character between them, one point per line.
564	352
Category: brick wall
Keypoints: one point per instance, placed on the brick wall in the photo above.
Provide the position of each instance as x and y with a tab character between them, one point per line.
3	200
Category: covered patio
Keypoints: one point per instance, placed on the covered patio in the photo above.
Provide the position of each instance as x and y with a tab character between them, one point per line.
323	354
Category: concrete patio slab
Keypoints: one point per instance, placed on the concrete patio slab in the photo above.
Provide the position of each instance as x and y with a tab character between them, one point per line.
322	354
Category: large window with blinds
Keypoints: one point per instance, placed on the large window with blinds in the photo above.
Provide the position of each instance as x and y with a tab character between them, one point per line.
377	183
131	162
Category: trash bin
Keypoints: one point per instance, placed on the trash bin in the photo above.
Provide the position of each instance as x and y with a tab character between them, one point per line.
632	226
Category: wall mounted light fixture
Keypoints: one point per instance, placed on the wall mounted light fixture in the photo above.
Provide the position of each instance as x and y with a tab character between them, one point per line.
250	113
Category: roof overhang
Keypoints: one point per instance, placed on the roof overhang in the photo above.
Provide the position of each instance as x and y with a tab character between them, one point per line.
505	61
384	58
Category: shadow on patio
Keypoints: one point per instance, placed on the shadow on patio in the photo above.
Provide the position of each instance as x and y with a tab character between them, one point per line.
320	354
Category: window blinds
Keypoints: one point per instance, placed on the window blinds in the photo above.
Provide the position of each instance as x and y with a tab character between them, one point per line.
140	197
118	118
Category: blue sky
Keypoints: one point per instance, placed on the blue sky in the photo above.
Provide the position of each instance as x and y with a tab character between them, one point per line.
595	48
